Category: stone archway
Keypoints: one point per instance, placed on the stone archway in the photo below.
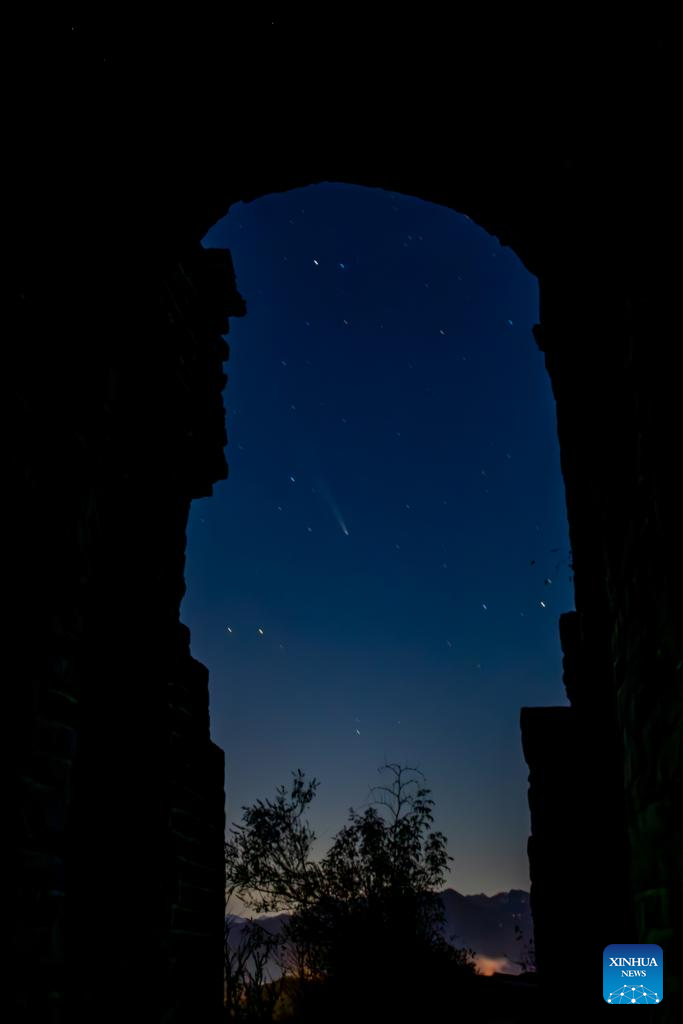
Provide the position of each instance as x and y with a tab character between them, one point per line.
116	343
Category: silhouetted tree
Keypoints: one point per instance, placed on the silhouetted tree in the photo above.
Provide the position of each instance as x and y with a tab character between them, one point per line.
366	917
528	952
268	858
251	990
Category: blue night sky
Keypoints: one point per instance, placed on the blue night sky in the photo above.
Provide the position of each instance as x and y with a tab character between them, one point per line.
394	472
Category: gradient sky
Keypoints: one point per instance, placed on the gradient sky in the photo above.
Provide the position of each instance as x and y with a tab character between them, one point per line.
394	473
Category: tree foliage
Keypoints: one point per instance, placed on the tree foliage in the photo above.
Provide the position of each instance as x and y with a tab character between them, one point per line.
268	858
250	991
369	906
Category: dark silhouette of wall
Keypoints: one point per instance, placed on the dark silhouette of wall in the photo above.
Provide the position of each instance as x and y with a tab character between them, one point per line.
126	142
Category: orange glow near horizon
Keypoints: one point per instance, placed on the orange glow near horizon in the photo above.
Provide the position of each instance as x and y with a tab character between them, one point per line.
488	965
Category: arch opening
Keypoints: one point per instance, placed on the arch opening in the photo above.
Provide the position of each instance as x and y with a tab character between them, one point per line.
385	394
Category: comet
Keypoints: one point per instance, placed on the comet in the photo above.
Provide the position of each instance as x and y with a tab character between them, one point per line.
324	491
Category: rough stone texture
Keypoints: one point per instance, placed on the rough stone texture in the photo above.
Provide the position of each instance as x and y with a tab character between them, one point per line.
126	142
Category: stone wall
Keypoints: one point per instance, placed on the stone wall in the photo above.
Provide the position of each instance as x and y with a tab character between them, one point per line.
120	812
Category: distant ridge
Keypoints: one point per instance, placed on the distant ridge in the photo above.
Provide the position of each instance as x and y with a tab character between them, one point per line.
485	924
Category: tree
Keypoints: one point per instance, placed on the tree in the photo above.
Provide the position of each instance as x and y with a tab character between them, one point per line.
268	858
250	992
369	908
268	864
528	952
383	868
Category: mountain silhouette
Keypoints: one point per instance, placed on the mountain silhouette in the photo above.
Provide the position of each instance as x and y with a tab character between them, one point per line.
485	924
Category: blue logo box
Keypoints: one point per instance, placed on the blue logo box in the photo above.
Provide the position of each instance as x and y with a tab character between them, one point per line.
632	973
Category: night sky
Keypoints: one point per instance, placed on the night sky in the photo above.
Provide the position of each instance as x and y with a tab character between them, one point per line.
382	573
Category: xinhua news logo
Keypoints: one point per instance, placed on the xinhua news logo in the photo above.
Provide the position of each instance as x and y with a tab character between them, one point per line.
632	973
